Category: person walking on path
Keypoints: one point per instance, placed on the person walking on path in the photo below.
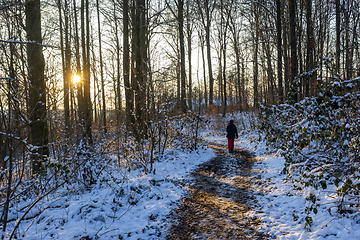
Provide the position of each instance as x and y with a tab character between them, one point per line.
231	135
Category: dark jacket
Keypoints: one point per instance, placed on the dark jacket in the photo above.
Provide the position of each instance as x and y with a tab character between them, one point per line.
231	131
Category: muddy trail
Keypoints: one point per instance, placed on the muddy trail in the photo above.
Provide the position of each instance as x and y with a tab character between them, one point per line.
217	201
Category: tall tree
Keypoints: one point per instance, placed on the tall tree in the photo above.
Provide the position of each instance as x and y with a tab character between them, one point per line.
337	30
179	16
182	54
67	78
37	85
139	50
206	9
79	84
255	59
286	57
225	11
234	28
189	35
85	34
101	68
64	58
117	55
293	61
202	46
310	87
279	50
126	67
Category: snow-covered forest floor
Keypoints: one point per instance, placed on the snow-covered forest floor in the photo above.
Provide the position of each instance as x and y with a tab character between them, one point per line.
126	204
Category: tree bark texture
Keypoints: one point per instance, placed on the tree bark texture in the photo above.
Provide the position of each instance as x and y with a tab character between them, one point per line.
37	85
279	50
293	61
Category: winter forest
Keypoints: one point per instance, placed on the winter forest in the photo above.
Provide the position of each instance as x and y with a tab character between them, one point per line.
106	107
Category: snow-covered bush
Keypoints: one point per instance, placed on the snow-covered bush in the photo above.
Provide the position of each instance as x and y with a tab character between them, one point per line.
184	131
319	138
178	132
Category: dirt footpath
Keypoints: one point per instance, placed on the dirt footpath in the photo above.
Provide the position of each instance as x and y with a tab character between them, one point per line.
217	201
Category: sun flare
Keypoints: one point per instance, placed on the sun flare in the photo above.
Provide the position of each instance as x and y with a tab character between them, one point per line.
76	79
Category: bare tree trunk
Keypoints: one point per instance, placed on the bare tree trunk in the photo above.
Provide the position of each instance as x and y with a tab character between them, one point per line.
227	14
286	63
7	165
205	11
310	47
279	51
118	90
243	84
320	43
204	67
351	52
299	46
211	79
348	43
270	71
67	78
79	85
126	67
37	85
337	55
178	76
255	60
101	69
189	33
65	68
95	81
84	60
3	140
144	44
199	87
220	75
5	213
182	54
237	58
86	73
293	62
140	55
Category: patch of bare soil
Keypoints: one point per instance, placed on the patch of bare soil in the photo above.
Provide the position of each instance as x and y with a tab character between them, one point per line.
217	201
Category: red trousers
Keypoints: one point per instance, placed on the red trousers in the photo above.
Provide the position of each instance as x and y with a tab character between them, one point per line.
231	143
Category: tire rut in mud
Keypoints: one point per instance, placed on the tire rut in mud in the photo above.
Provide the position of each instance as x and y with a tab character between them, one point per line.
217	201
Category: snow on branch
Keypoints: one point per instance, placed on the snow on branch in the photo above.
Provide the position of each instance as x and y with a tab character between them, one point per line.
25	42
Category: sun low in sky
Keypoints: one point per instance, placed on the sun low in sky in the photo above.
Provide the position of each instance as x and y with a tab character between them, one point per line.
76	79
